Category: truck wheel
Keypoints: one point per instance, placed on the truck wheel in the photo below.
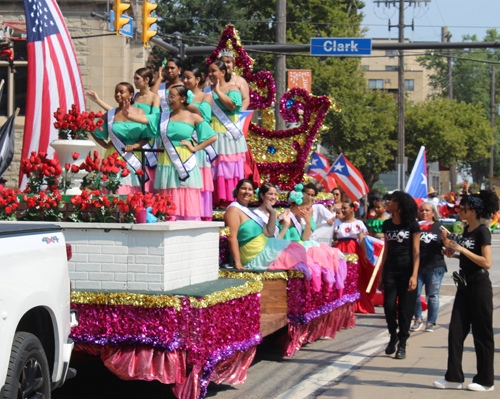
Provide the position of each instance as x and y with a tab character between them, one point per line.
28	373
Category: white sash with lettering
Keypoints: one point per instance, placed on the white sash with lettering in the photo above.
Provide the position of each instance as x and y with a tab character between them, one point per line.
163	93
265	218
210	150
183	169
247	212
151	157
129	157
295	222
233	132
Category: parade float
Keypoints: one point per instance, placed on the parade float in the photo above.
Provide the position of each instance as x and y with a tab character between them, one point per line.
155	300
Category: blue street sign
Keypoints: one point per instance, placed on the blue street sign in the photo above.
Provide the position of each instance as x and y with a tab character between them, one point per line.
340	46
128	28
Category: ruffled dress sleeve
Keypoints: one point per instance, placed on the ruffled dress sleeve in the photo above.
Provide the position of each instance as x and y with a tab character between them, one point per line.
154	124
204	131
206	111
102	134
236	98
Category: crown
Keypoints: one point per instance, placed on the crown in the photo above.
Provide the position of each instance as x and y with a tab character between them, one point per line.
226	53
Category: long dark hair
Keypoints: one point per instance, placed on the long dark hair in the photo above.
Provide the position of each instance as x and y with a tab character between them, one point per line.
197	74
408	209
130	89
146	73
263	191
222	66
485	204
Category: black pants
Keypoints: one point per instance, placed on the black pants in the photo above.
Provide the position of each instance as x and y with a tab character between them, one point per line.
472	307
399	303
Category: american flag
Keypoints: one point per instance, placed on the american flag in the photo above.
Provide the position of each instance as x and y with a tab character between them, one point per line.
53	74
349	178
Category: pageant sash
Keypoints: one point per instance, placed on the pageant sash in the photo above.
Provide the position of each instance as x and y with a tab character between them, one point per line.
265	218
129	157
151	157
295	222
247	212
210	150
163	93
183	168
233	132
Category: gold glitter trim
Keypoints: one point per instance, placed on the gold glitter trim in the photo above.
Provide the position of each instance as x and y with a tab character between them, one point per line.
224	232
229	294
126	298
295	274
253	276
351	258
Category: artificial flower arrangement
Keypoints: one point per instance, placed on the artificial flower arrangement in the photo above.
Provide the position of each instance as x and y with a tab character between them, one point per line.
76	125
43	200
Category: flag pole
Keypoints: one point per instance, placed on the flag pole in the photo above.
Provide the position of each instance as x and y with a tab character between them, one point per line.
375	271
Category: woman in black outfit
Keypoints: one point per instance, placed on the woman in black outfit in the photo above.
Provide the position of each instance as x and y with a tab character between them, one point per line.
474	301
399	269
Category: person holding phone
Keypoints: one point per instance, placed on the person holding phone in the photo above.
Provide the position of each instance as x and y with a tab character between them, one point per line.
473	306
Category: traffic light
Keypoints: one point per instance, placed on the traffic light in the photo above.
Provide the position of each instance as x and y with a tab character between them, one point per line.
147	21
119	8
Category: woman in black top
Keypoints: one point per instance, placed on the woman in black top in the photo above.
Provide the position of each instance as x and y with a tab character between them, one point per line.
399	269
432	266
473	304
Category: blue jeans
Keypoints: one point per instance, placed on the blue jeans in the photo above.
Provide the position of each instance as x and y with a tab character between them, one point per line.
432	280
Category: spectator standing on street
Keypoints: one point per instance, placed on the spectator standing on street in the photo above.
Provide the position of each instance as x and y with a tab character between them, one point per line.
432	266
399	269
473	304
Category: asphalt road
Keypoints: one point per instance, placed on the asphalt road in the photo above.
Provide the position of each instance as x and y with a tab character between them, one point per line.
269	375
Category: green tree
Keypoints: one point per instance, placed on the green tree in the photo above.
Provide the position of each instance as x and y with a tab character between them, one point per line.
451	132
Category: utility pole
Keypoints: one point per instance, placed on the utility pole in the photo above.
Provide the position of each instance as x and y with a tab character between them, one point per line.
401	100
280	68
445	37
492	106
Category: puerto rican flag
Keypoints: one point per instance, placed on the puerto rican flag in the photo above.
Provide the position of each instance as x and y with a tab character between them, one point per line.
417	183
425	225
319	170
54	78
349	178
244	119
374	248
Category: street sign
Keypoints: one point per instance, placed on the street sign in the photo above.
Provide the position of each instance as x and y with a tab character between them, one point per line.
128	28
300	78
340	46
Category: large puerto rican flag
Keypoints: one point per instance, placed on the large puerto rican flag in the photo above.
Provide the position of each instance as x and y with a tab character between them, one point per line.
319	170
349	178
54	78
244	119
417	183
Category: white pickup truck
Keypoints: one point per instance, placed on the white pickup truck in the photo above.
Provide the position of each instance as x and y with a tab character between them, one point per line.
35	320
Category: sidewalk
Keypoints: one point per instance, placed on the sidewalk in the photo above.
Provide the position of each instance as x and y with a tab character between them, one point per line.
384	377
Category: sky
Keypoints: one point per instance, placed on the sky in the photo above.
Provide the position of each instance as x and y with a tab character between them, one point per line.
460	16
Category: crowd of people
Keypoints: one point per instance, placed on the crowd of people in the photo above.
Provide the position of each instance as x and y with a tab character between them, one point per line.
194	121
206	163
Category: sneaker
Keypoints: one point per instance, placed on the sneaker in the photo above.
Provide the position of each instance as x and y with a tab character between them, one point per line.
443	384
391	346
417	325
401	353
429	327
480	388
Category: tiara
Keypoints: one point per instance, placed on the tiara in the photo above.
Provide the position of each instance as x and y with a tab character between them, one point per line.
226	53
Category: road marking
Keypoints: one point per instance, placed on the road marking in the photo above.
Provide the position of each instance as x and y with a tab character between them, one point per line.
341	366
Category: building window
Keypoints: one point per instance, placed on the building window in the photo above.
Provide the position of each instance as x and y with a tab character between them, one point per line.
365	67
391	67
19	80
391	52
375	84
409	84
